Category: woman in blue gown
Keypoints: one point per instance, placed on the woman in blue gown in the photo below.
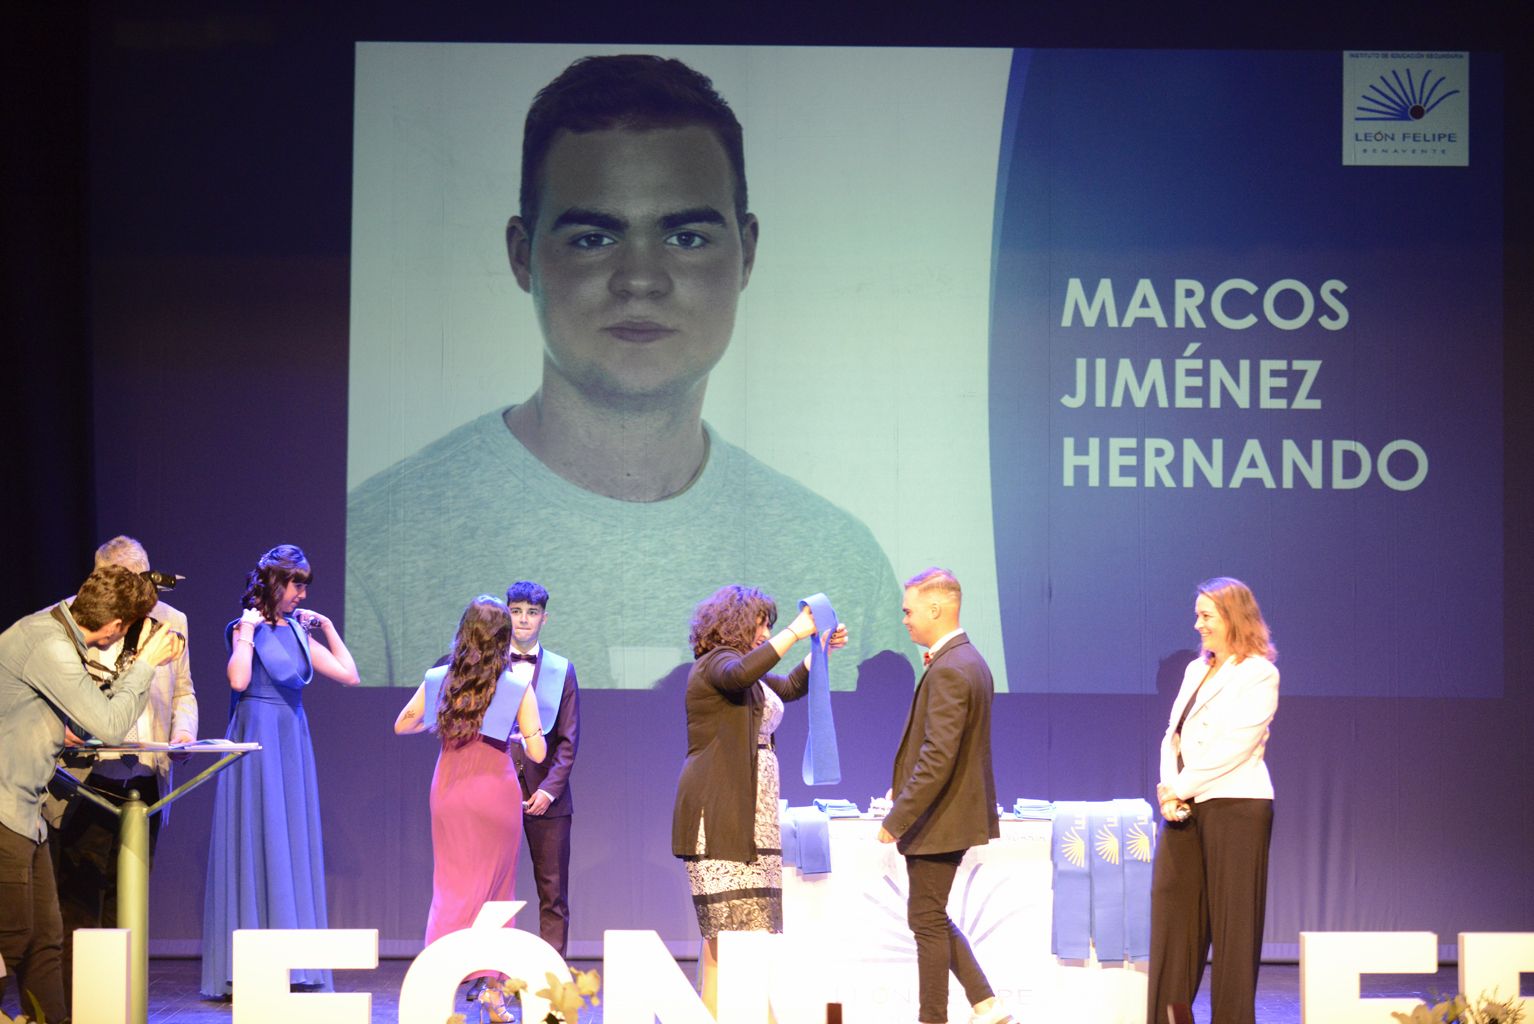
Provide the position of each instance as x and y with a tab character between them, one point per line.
266	866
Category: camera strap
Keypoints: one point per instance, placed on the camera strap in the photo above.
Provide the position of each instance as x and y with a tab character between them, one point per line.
102	674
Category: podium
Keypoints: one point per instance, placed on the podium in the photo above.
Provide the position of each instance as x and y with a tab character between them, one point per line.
133	850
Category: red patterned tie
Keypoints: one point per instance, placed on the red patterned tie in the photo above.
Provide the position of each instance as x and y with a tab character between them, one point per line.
926	658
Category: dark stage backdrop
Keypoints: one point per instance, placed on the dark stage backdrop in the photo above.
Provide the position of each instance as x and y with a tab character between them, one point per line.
225	298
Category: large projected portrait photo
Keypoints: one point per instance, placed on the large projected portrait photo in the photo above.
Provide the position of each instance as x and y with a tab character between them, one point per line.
999	323
626	432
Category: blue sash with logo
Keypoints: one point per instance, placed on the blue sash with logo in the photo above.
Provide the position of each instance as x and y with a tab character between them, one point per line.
1103	854
1107	882
1070	847
1137	826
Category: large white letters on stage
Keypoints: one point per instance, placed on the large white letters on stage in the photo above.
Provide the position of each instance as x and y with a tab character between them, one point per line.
263	958
643	982
1491	962
1331	963
431	984
100	995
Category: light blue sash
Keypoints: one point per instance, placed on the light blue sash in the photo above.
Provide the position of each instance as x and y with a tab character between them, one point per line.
549	686
806	840
500	717
432	695
822	766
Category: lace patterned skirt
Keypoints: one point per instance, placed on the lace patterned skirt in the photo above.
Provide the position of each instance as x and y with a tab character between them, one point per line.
730	896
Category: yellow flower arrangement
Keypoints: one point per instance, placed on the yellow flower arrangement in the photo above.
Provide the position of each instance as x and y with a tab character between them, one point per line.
566	998
1460	1010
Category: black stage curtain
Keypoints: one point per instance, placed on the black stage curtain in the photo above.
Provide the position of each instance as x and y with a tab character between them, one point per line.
45	406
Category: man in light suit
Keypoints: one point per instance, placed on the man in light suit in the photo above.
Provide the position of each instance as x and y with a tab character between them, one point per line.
547	807
944	794
85	840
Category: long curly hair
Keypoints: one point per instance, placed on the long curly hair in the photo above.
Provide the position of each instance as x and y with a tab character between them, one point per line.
1237	605
730	619
264	584
477	661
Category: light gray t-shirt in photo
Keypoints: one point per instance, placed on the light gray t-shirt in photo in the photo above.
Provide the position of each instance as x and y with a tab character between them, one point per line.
475	511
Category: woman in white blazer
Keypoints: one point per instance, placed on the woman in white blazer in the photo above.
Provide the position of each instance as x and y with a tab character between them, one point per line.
1211	874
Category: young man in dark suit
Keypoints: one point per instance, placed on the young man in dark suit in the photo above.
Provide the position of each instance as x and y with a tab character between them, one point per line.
944	793
547	804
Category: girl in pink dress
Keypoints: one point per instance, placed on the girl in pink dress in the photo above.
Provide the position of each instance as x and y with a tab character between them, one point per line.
477	711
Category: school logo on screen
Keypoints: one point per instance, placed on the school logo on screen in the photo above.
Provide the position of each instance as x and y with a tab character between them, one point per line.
1405	109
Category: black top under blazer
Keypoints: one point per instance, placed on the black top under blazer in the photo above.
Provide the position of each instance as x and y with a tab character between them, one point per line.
718	781
944	790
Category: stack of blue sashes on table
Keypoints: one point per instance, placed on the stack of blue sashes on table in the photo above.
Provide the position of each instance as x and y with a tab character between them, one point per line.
1033	810
806	840
1102	854
838	808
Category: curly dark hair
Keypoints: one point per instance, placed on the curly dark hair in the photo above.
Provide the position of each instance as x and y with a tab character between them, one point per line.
730	619
264	584
112	592
477	661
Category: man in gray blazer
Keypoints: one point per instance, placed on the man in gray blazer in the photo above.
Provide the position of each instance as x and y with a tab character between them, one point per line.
944	793
85	838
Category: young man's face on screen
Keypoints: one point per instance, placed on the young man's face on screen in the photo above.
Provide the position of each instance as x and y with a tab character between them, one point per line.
637	261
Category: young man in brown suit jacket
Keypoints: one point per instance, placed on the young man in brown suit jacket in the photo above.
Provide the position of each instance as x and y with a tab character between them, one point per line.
944	793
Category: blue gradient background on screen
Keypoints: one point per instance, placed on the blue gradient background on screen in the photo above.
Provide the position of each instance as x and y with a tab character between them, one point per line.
1211	166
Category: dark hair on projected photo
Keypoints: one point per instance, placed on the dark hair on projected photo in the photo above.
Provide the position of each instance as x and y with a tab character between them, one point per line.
730	618
636	91
264	584
1237	605
527	592
474	667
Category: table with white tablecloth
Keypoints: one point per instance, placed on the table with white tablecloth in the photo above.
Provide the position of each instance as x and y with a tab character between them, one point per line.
847	941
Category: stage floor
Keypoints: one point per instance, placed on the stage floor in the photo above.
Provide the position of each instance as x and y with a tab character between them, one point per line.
173	992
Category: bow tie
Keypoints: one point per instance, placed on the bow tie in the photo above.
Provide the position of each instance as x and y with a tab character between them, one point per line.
516	656
926	658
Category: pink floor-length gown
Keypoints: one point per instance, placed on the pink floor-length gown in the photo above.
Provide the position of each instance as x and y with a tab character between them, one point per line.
476	833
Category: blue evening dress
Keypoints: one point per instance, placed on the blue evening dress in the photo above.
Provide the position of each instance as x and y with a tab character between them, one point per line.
266	866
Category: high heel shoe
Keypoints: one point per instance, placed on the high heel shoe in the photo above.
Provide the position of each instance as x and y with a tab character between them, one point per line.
492	1006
